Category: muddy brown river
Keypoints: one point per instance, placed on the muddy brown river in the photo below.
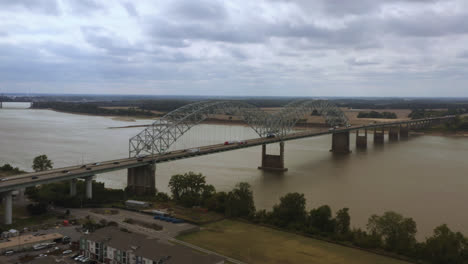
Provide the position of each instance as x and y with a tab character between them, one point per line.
425	177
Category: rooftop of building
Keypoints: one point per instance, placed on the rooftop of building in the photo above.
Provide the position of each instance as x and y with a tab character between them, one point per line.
149	248
27	239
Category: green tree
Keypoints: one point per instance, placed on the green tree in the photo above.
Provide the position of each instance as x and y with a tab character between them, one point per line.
217	202
342	221
321	219
290	211
239	202
446	246
190	188
397	232
42	163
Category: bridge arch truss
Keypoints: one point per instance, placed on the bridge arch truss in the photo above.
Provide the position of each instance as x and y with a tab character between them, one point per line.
159	136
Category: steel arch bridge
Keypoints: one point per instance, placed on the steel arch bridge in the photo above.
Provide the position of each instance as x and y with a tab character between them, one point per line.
159	136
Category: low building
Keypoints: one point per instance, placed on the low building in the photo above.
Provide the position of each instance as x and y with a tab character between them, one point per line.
18	243
137	204
111	246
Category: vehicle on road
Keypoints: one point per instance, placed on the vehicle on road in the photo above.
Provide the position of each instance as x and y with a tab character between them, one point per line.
34	177
194	150
84	166
97	163
271	135
39	246
3	179
9	253
65	171
69	251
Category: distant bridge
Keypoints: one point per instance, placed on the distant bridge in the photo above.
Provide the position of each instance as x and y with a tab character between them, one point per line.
151	146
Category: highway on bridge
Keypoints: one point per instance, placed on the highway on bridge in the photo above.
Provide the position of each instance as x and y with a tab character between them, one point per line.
87	170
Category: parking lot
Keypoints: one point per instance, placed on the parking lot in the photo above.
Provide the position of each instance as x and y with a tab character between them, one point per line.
169	230
51	252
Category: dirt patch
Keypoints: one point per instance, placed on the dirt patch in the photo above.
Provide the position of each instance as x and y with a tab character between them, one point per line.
153	226
105	211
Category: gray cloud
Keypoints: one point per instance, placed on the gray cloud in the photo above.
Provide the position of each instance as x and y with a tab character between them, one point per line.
130	8
49	7
324	47
198	10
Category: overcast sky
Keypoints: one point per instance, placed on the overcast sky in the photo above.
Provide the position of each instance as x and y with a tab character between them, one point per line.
242	47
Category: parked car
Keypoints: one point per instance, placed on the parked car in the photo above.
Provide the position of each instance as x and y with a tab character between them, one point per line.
67	252
9	253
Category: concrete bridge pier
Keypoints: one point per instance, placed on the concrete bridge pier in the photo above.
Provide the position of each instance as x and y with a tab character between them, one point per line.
142	180
73	187
340	142
379	136
361	141
404	131
89	187
393	133
8	207
273	162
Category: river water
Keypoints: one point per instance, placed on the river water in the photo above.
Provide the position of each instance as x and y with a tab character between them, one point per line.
424	177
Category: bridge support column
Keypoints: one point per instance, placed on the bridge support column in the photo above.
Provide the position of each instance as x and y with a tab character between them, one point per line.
89	187
142	180
379	136
404	131
8	208
393	133
73	187
361	141
273	162
340	142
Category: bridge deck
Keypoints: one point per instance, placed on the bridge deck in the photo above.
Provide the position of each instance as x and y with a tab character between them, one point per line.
86	170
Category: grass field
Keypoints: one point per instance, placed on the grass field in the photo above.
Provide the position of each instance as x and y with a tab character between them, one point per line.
256	244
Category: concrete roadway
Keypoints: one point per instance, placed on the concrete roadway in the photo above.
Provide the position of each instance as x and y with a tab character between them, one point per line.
87	170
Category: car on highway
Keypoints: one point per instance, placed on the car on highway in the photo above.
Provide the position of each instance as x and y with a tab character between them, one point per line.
9	253
65	171
271	135
89	168
194	150
116	162
3	179
34	177
97	163
84	166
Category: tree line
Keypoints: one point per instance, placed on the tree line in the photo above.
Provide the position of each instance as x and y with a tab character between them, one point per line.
390	232
374	114
92	109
